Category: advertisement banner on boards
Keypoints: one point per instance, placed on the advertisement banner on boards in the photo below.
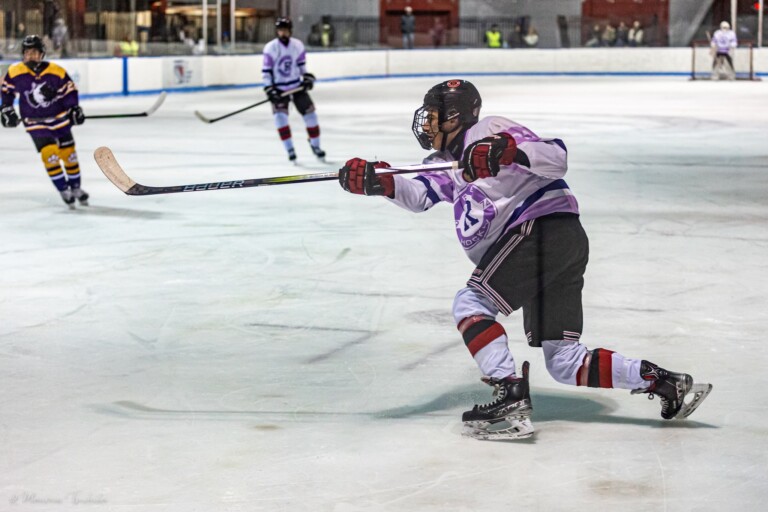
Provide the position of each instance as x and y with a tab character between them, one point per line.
182	72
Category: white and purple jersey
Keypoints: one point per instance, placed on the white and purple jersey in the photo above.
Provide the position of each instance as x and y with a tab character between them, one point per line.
487	208
284	64
724	40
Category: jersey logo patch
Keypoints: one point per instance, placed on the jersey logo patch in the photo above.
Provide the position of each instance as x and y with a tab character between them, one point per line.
41	95
474	213
285	65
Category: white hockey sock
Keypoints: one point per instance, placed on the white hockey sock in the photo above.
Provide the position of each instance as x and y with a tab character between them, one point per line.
495	359
284	130
313	129
570	362
626	373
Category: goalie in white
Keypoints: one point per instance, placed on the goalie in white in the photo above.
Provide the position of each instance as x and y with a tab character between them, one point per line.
518	222
723	45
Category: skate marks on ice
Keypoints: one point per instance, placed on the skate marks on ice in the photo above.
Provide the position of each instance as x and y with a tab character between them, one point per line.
138	411
128	213
362	337
556	410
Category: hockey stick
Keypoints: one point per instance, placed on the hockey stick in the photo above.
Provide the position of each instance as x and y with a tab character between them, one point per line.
146	113
204	119
112	170
149	112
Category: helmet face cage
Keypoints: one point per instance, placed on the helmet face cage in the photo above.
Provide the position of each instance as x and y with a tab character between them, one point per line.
420	120
32	43
450	99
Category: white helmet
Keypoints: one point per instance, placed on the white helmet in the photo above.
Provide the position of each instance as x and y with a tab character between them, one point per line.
725	25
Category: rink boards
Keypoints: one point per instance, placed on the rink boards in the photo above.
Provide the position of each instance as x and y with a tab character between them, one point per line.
110	76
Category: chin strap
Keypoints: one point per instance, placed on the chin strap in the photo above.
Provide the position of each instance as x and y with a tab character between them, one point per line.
456	146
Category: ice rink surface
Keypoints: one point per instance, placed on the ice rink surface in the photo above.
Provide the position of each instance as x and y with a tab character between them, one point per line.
291	348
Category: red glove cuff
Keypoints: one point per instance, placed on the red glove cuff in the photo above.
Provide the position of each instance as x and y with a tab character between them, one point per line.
509	153
388	182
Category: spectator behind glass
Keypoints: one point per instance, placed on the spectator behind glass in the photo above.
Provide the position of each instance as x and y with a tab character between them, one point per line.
59	38
531	39
327	32
492	37
407	27
636	34
128	47
315	37
515	39
595	37
622	34
438	32
609	35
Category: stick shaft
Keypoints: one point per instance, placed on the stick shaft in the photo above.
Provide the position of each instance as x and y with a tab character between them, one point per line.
115	173
206	120
148	112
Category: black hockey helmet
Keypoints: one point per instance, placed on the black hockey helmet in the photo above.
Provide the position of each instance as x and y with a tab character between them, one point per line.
32	42
283	22
452	99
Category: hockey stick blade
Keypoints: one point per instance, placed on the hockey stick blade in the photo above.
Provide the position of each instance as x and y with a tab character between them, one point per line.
204	119
114	172
201	117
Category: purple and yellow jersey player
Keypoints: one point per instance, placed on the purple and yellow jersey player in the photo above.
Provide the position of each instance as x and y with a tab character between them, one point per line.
48	103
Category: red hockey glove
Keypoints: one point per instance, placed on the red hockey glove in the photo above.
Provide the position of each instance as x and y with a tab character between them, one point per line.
359	177
482	158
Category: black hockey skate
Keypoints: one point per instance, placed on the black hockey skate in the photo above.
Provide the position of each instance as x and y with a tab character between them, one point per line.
319	153
68	198
292	156
672	389
81	196
508	416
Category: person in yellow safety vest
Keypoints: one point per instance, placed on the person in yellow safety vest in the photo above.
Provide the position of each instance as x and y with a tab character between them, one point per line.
493	37
127	48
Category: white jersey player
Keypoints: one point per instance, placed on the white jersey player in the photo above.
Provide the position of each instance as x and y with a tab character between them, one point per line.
723	43
518	222
284	69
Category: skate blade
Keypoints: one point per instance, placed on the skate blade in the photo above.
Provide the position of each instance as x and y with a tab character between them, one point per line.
511	429
698	393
